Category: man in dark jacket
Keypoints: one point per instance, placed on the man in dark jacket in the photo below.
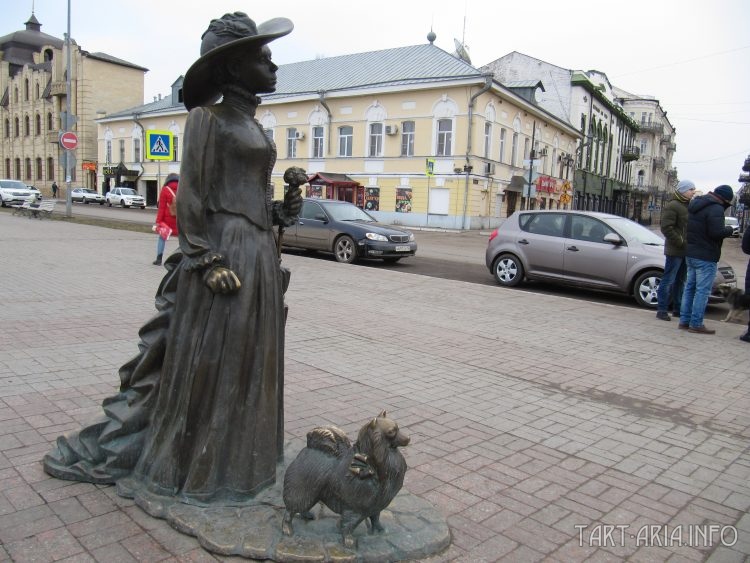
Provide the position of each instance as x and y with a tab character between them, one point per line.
674	218
705	234
746	250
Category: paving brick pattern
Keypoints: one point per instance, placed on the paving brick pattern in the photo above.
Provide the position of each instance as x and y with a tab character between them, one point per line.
535	420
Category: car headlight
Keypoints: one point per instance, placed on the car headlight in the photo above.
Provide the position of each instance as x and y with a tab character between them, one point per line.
411	237
376	236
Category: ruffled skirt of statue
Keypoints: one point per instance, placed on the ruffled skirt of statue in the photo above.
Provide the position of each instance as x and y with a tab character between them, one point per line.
217	429
108	449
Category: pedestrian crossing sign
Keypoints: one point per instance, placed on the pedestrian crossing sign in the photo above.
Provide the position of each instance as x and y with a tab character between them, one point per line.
159	145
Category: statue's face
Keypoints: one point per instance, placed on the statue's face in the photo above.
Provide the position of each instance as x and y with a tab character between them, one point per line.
255	71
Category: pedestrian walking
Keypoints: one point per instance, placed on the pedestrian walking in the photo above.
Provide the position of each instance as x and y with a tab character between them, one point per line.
746	249
705	234
54	190
166	215
674	218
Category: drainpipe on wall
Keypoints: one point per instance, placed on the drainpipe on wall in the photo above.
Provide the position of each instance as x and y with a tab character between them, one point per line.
321	95
467	166
143	148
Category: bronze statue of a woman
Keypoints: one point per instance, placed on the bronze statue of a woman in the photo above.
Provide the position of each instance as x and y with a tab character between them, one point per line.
199	416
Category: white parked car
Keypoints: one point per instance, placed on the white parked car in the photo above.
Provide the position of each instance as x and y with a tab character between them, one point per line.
734	223
86	195
14	192
126	197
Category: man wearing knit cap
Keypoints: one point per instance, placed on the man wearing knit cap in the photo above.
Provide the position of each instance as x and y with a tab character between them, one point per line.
674	218
705	234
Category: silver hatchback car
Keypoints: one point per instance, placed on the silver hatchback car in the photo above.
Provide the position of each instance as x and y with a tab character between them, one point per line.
586	249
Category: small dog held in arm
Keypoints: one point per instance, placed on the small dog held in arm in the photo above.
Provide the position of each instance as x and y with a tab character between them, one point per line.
736	299
356	481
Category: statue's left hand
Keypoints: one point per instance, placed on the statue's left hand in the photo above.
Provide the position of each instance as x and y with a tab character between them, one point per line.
222	280
292	201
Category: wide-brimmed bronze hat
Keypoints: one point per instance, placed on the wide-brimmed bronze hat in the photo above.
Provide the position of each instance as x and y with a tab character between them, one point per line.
224	35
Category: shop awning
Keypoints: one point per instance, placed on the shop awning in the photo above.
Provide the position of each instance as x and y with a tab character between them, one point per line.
332	179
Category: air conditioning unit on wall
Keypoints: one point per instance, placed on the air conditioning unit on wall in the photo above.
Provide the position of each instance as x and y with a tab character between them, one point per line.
299	135
391	129
543	152
489	168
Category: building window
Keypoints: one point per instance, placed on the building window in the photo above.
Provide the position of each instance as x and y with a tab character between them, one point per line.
50	127
346	139
291	142
136	150
7	128
641	176
502	145
526	143
318	142
175	147
27	168
26	126
407	138
514	150
38	128
108	152
15	94
487	139
36	86
39	171
7	168
18	169
26	89
50	168
122	150
375	142
445	137
644	146
16	127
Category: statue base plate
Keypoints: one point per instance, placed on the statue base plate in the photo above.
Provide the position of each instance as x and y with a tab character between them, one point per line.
414	529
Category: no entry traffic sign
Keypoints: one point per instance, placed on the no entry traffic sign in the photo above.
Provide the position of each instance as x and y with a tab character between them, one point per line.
69	140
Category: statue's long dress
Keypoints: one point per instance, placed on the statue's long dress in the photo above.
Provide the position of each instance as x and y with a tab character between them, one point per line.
217	428
208	427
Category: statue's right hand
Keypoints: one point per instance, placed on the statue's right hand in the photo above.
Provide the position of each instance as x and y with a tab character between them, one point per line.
222	280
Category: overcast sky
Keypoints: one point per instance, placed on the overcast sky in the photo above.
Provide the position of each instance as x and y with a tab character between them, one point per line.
693	55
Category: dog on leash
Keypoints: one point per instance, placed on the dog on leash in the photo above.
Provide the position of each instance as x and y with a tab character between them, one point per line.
737	300
356	481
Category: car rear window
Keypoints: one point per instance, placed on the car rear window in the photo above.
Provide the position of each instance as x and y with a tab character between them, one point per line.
550	224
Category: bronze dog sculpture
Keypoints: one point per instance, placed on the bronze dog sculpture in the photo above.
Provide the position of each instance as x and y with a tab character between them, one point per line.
356	481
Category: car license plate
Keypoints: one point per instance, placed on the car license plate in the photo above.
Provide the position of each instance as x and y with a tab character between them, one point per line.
403	248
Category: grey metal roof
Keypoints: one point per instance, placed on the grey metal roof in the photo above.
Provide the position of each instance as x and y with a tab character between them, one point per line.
397	66
114	60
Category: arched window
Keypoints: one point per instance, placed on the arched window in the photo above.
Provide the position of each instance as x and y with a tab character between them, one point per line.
27	169
26	89
50	128
15	94
7	127
26	126
50	168
38	128
7	168
36	86
16	127
18	169
641	177
39	172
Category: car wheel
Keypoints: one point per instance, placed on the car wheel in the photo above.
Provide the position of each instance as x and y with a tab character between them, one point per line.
101	203
508	270
109	203
122	203
645	287
344	250
86	201
143	207
391	259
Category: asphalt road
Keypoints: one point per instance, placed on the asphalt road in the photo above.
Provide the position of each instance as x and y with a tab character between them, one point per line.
449	255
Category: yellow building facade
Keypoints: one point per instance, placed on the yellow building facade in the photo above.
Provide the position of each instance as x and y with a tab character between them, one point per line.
450	149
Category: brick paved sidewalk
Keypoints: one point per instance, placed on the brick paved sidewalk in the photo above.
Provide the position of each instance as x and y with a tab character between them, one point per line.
535	420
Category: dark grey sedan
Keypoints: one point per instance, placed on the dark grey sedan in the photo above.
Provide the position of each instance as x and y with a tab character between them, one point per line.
348	232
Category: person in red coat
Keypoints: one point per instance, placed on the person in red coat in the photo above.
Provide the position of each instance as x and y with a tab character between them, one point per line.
166	216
